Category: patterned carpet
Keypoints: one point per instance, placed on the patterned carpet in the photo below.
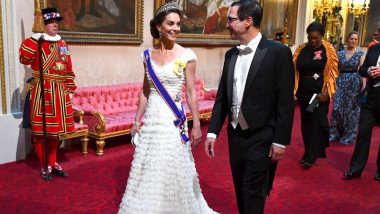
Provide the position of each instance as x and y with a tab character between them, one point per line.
96	184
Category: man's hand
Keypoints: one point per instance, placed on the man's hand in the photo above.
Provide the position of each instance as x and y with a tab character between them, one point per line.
374	71
209	147
276	153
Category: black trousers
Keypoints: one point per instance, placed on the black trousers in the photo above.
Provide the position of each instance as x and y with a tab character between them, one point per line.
369	116
315	131
250	167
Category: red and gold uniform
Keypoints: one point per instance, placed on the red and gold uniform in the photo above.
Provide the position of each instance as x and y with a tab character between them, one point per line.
58	83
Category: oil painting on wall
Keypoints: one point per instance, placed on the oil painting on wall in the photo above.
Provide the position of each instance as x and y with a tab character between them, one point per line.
205	21
100	21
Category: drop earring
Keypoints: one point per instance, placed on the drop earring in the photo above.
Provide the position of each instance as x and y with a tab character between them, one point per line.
160	34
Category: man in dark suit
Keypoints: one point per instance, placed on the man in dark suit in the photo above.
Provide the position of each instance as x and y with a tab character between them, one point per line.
369	115
256	92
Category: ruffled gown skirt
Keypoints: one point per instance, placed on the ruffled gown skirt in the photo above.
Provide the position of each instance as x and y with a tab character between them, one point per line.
163	178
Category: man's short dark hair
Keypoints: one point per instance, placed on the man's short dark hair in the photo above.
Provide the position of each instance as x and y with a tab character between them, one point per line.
249	8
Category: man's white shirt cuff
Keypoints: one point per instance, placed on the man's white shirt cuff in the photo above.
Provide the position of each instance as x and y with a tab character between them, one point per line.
211	135
279	145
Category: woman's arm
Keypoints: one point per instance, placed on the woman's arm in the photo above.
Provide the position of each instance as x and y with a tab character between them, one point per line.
363	79
143	99
192	102
361	60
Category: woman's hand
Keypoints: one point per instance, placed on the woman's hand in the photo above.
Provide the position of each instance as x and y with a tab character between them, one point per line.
196	135
135	128
322	97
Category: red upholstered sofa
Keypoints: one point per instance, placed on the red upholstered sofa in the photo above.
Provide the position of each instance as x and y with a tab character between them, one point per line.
110	110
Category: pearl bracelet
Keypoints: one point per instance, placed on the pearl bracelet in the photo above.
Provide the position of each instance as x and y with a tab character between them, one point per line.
136	123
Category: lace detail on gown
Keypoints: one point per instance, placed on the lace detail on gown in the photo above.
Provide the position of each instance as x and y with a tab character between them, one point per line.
163	178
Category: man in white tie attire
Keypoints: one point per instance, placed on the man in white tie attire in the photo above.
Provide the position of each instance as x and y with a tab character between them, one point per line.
256	92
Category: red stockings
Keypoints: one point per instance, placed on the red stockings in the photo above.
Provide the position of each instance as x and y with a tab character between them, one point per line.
52	146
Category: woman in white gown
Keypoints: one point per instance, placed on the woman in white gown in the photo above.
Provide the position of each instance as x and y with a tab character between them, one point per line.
163	178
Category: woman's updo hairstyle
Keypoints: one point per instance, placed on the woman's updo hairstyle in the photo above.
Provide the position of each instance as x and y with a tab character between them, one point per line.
170	7
315	26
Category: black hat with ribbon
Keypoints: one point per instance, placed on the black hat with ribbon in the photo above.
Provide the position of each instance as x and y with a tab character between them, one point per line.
50	14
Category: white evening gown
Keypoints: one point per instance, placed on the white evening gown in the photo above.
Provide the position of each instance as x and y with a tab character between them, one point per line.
163	178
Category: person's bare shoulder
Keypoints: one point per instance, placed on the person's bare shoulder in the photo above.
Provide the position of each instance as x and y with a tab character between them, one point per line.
178	46
179	49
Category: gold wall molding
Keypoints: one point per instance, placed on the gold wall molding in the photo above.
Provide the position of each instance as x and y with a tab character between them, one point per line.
2	71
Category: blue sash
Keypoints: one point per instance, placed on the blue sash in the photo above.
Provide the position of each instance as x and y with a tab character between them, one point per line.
180	115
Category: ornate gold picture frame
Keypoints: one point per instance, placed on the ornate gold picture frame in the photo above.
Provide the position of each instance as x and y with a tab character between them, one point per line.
98	21
204	22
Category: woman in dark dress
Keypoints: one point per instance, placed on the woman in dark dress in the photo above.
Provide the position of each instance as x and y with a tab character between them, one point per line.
344	121
316	66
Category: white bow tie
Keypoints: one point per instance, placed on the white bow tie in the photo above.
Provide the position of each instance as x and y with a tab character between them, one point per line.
243	49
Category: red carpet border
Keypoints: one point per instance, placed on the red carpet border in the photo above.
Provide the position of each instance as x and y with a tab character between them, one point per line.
96	184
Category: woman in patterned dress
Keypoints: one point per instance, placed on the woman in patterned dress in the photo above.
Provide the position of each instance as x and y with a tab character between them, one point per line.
345	115
163	178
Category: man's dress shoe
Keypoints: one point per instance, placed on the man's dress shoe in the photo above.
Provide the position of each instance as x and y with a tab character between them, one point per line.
351	175
47	176
59	172
306	165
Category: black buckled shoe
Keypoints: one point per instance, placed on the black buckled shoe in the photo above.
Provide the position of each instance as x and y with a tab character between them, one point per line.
58	171
351	175
46	175
377	177
306	165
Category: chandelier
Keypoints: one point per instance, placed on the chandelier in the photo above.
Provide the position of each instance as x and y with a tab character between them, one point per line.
322	7
358	7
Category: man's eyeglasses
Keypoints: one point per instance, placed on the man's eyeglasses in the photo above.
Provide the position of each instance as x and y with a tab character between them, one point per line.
232	19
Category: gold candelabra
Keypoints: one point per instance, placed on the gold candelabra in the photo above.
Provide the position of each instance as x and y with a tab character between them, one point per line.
358	7
322	7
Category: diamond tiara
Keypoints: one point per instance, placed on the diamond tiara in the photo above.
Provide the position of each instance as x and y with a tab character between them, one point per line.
166	7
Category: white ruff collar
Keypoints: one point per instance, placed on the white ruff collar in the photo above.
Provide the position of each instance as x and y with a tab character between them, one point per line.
55	38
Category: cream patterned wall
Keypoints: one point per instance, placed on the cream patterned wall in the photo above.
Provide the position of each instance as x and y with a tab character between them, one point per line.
116	65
